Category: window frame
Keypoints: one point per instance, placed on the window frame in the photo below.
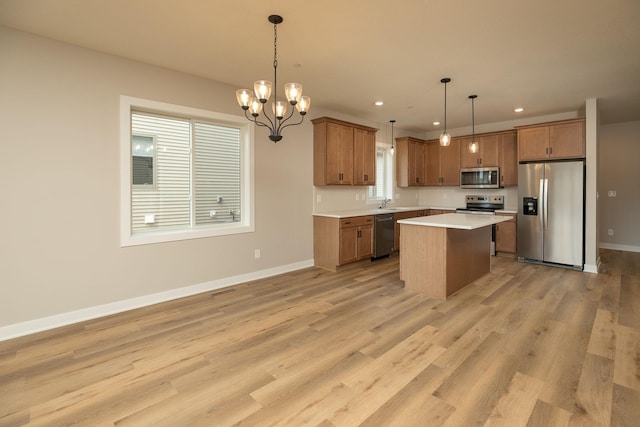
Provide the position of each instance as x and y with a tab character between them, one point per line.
247	186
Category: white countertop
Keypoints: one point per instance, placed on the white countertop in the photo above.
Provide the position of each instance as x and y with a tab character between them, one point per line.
375	211
456	220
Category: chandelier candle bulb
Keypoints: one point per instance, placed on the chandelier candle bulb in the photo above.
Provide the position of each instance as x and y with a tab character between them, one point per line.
279	109
263	90
303	105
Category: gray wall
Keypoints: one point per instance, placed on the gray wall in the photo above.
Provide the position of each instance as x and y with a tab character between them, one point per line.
59	180
619	171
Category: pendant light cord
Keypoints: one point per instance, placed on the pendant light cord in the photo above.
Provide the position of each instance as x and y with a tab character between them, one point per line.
275	65
473	120
445	107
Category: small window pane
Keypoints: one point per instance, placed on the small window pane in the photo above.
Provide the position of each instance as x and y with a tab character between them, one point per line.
143	152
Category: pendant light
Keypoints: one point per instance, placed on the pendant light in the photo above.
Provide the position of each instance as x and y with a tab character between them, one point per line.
473	145
392	150
253	101
445	138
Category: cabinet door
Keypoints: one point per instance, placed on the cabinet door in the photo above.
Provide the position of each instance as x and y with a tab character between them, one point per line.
365	241
348	245
489	150
450	164
339	154
506	237
533	143
467	158
566	141
364	152
432	162
508	160
416	163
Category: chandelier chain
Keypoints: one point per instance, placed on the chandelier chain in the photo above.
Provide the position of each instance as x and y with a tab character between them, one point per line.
275	45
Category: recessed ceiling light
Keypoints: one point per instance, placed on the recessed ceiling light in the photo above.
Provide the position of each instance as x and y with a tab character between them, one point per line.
519	110
378	103
436	123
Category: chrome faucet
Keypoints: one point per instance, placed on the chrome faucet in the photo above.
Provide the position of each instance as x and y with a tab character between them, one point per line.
384	203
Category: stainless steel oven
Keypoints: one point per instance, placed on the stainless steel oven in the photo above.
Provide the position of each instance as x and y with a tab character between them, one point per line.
484	205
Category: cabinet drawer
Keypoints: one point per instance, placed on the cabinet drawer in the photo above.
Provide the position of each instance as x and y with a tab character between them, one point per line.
354	221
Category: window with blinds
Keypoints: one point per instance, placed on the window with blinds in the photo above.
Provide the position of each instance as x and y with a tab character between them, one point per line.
212	174
379	191
187	173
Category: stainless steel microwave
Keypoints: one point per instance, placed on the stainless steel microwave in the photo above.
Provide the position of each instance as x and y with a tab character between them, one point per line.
480	177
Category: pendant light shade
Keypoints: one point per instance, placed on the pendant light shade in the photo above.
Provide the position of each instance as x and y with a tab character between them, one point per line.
473	145
392	150
445	138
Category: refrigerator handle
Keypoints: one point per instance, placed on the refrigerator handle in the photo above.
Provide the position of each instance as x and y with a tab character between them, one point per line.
546	199
541	199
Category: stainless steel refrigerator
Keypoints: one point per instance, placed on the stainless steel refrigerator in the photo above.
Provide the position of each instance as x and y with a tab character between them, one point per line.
551	213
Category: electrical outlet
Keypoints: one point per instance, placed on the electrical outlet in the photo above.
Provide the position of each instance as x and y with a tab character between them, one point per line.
318	198
611	193
611	232
357	196
256	253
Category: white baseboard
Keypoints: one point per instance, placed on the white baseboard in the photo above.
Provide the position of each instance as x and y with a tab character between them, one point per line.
64	319
626	248
589	268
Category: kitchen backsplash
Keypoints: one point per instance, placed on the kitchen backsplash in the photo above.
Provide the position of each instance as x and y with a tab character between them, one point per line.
334	198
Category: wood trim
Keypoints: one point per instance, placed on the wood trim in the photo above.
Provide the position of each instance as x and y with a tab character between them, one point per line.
343	123
559	122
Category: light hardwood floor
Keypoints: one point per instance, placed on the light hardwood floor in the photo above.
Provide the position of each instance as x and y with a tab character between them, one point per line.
525	345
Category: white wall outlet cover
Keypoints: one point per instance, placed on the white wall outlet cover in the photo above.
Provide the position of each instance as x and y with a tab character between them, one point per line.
149	219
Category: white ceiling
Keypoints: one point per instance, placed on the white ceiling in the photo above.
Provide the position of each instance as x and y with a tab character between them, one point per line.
547	56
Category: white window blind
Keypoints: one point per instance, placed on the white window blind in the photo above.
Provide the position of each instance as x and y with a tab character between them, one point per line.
379	191
169	199
217	173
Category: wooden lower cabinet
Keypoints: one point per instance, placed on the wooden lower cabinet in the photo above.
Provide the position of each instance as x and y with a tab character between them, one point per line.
339	241
506	237
396	229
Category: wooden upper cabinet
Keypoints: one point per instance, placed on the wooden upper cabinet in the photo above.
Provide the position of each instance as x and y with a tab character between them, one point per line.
508	159
487	155
557	140
567	140
364	157
443	163
343	153
432	162
450	164
410	166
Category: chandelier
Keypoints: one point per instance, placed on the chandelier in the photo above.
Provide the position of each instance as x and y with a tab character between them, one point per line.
252	102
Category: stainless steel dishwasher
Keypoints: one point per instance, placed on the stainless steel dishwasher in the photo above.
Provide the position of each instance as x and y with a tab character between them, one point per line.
383	235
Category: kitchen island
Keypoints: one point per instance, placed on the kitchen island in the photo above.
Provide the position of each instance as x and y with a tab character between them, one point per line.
441	254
